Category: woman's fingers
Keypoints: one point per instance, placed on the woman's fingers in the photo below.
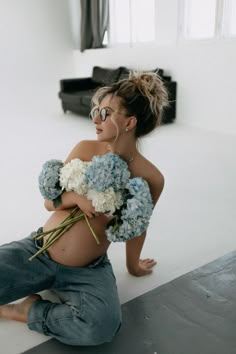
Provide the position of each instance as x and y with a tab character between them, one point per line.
148	262
93	214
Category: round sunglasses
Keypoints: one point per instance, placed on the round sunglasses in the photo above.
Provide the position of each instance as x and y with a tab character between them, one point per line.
103	113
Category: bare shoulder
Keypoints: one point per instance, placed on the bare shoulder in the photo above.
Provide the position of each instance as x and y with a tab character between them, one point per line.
155	178
86	149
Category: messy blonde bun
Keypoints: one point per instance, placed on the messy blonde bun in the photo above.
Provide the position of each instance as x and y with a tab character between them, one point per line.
142	95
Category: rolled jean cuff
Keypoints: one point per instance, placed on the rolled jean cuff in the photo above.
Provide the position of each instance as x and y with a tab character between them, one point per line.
37	315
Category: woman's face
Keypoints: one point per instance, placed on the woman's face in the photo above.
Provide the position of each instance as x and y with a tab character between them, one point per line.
109	118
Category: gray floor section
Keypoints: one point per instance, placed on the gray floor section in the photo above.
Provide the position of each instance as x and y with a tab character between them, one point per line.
195	313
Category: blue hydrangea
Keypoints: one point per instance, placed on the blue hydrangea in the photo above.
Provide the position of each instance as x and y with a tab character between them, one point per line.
48	179
134	217
106	171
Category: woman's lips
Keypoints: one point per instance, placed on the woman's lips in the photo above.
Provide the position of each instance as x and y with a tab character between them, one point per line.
98	131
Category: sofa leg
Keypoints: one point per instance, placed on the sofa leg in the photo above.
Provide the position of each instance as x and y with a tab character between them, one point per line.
64	107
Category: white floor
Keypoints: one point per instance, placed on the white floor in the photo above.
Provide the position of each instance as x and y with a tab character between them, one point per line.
193	223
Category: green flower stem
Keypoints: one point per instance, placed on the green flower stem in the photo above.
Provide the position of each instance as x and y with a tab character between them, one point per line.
58	231
50	243
60	227
65	222
90	227
54	236
67	225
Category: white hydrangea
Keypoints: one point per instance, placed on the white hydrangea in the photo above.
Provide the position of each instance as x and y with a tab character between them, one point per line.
107	201
72	176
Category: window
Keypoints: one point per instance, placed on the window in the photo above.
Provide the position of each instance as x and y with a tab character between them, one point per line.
229	18
199	19
143	20
135	21
119	21
105	39
131	21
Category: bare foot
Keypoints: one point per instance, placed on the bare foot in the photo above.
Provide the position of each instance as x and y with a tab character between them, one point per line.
19	311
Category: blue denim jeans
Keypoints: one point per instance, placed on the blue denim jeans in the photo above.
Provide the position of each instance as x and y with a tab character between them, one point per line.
89	311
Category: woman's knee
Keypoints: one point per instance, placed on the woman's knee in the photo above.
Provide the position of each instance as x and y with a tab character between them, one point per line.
106	331
94	335
95	331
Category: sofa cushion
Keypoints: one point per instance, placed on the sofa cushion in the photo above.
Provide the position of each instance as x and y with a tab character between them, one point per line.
86	97
105	76
78	97
124	73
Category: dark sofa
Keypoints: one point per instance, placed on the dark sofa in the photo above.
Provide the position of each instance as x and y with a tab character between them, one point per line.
76	94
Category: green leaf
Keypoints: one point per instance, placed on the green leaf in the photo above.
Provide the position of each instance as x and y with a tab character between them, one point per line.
57	201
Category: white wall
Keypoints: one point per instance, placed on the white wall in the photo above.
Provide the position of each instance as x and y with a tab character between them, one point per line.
75	14
204	70
35	52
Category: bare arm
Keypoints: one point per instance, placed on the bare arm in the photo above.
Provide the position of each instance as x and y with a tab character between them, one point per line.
134	264
71	200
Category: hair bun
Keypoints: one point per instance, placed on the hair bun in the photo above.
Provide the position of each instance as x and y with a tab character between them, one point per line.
151	86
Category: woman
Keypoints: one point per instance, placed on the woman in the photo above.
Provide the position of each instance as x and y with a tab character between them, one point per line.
75	267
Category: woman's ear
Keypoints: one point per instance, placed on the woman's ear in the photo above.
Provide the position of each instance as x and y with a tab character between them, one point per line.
132	123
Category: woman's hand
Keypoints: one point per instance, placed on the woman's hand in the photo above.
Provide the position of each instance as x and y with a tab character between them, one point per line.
70	200
86	206
145	267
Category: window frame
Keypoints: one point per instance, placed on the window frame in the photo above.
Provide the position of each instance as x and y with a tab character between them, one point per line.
182	34
226	34
220	32
221	19
112	42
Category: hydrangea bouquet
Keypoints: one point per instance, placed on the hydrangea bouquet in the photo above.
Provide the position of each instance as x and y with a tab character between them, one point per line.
106	182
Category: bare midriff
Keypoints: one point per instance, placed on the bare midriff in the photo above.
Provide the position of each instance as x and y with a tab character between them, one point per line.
77	247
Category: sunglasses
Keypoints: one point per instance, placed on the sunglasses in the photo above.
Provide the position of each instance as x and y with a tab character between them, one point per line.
103	113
